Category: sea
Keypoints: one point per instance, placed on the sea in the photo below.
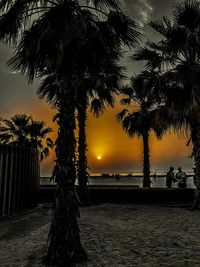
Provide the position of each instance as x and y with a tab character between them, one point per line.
158	179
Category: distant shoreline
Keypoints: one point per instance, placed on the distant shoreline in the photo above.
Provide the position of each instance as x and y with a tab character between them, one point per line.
119	180
125	175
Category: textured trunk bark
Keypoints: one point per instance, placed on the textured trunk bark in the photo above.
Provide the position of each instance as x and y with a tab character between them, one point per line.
82	157
146	165
64	246
195	135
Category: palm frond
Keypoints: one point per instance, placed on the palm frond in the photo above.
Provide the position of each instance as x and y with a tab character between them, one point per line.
45	131
49	89
39	48
49	143
133	124
44	153
9	123
20	119
14	18
106	4
97	107
126	29
187	14
122	114
160	26
5	138
4	129
127	91
56	117
152	58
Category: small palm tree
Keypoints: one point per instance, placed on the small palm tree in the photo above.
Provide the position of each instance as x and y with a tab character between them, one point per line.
24	131
147	116
15	130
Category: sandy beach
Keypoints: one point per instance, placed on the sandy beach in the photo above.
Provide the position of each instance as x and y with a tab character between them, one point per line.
114	235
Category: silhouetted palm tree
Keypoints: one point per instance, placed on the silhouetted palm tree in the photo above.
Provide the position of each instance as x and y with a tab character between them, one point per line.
60	42
95	93
37	136
15	130
147	116
24	131
180	45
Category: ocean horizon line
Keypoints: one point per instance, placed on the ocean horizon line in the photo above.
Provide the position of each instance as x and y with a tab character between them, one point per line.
157	172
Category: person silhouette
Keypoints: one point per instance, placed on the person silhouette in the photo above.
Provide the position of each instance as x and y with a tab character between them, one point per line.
181	178
170	177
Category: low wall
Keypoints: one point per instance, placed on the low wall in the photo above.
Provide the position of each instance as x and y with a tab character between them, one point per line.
19	179
127	193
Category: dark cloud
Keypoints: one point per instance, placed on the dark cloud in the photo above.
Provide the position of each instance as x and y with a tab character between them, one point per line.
144	11
139	10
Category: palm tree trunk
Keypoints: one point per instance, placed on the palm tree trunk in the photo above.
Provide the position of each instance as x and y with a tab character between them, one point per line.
82	157
146	164
195	135
64	246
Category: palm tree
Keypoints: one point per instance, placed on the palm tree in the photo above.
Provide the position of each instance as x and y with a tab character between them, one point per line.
97	108
24	131
147	116
15	130
95	94
180	45
60	42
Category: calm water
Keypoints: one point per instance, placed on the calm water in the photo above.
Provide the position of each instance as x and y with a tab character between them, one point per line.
158	182
124	180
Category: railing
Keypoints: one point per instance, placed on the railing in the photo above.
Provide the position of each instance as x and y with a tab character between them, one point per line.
19	179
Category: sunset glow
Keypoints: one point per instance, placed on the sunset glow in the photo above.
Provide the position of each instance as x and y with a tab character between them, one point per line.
106	140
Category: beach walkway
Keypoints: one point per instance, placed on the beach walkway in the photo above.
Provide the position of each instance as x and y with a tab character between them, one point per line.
114	235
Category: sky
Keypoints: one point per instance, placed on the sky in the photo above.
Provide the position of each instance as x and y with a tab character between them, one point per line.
105	136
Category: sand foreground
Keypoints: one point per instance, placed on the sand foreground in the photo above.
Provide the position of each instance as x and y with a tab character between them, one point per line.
114	235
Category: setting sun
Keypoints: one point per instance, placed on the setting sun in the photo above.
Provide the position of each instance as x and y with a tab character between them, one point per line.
99	157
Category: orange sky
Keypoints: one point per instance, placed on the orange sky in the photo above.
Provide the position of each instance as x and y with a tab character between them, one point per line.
120	153
107	139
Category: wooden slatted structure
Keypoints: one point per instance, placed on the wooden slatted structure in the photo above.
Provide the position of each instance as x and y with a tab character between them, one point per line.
19	179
